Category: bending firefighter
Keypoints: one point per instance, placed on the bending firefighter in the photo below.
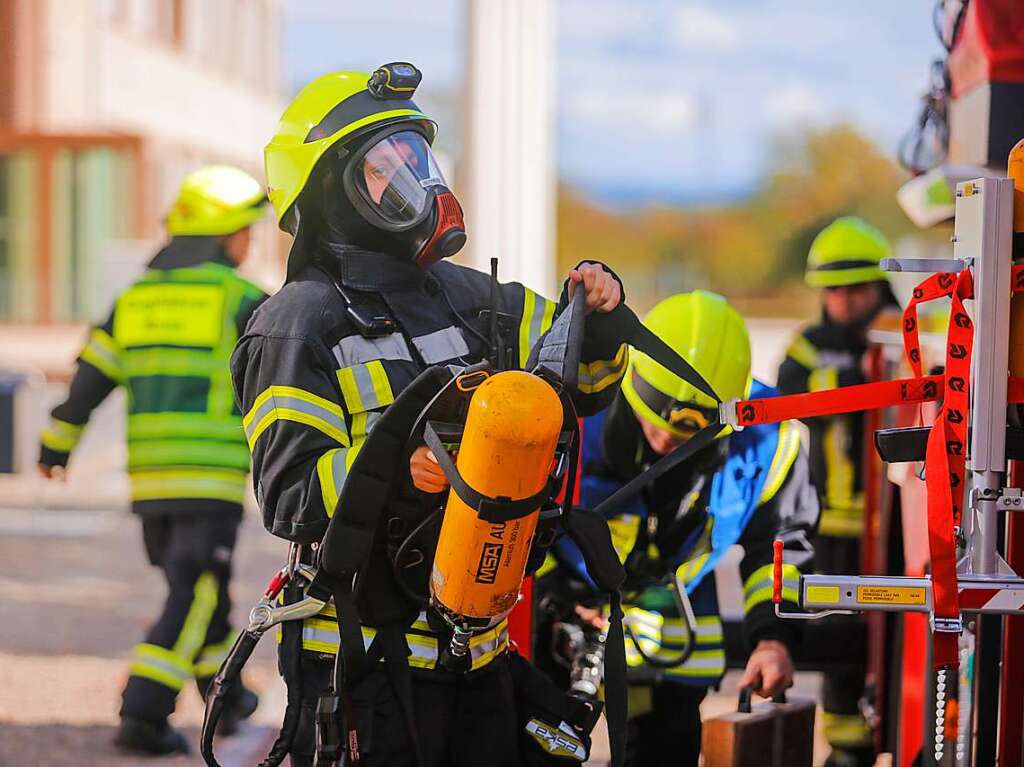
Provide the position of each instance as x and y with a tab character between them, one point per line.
370	305
844	264
168	341
748	487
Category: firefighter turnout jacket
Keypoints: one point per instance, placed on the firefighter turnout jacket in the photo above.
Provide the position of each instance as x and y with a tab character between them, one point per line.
329	353
168	341
826	356
750	488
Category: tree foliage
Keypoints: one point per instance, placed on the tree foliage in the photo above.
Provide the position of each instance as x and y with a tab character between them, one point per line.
754	249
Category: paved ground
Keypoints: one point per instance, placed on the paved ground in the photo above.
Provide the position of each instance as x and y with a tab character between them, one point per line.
77	595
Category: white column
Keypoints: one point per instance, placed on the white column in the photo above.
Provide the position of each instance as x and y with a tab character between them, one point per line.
507	170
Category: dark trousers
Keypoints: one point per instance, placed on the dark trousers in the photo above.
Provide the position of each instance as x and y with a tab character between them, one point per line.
842	691
460	721
192	635
669	734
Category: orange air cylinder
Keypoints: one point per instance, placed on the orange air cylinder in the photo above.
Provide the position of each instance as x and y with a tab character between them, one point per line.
1015	171
507	450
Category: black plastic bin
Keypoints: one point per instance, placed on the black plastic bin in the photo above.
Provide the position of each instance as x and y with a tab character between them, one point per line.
9	385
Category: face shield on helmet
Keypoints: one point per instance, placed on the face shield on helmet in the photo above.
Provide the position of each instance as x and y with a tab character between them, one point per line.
396	186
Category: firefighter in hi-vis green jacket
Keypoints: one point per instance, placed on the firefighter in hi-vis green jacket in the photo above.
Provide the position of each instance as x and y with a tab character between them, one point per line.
167	341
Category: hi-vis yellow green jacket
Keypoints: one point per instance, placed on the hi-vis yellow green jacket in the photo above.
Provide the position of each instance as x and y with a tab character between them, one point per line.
316	370
168	342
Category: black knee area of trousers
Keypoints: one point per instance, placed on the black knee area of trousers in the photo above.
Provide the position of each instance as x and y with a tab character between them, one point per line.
669	734
184	546
461	721
841	691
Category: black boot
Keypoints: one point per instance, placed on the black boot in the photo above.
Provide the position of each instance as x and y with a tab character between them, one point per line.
153	738
238	707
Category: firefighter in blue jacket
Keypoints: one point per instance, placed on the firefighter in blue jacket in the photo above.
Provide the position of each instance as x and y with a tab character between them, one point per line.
749	487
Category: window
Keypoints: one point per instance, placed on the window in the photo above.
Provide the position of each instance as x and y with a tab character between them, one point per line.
18	283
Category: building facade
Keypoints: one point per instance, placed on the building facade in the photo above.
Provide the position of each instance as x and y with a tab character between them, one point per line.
104	106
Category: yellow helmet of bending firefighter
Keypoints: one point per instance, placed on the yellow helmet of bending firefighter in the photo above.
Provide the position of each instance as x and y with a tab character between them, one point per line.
711	335
846	252
334	108
215	201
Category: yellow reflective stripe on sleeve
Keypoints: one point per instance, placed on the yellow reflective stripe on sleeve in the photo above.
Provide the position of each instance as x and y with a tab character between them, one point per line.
624	530
160	665
804	352
365	387
846	730
698	555
538	314
822	379
197	621
61	435
288	403
333	466
217	484
102	353
757	588
598	376
331	471
785	454
842	523
839	469
547	566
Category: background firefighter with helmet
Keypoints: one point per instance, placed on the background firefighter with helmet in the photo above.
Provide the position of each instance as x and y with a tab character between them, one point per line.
748	487
167	341
844	263
368	305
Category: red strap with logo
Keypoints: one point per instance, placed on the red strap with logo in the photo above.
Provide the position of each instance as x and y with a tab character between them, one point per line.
947	442
945	466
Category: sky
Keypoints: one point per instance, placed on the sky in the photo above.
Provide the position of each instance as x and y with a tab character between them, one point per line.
659	100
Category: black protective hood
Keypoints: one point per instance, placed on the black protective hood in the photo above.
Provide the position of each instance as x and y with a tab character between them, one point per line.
182	252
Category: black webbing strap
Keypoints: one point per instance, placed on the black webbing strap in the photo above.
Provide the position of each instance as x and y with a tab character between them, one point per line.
494	510
640	337
291	668
696	443
615	689
395	650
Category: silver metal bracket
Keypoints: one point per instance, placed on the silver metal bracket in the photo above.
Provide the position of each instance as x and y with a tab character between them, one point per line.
1010	500
923	264
264	615
727	413
947	625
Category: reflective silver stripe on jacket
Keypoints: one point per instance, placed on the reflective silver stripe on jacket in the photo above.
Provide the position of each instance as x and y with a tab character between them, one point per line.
441	345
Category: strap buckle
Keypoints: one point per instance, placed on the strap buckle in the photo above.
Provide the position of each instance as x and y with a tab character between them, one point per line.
947	625
728	413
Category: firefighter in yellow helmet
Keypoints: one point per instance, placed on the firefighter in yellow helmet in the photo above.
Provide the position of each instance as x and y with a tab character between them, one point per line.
370	303
748	487
167	341
844	264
